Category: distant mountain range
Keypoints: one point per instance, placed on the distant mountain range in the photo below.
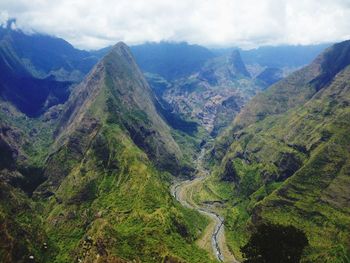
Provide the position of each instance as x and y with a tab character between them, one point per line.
166	56
38	70
283	56
181	73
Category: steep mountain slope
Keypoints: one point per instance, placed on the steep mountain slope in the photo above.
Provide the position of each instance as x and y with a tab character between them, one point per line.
287	158
37	71
270	76
102	194
24	144
115	91
125	202
44	55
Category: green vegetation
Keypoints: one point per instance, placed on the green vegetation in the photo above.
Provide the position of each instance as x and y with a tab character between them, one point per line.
106	163
288	160
88	181
275	243
21	232
117	198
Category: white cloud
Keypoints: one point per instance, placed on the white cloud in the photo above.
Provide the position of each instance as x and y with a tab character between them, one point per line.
97	23
3	18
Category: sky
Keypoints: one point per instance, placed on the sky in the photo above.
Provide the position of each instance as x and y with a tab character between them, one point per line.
92	24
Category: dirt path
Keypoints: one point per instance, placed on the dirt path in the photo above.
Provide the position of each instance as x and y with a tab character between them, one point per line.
213	238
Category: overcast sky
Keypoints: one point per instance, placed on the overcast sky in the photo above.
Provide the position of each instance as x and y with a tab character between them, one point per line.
93	24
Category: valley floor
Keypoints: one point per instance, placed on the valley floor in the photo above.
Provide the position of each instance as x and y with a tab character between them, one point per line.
213	237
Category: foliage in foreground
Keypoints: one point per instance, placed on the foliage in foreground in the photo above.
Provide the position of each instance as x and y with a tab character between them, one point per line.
274	244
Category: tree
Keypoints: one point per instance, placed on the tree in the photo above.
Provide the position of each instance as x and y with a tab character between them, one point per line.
275	244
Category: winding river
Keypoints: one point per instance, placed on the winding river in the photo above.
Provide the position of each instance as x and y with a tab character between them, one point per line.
178	190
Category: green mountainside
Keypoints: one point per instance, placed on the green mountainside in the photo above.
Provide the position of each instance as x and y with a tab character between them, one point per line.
285	160
102	192
98	160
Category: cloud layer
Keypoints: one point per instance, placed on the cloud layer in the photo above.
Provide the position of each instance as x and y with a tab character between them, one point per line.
97	23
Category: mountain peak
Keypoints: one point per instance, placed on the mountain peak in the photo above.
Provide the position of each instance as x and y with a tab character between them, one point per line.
121	44
120	52
237	63
116	90
120	47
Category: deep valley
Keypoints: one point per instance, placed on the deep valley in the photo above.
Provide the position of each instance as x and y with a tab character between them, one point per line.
173	152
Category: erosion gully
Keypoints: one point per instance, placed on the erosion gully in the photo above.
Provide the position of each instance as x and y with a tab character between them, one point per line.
178	191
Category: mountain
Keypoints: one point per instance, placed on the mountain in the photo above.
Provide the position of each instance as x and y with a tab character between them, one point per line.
195	84
283	56
270	76
286	158
270	64
45	56
89	180
90	147
170	60
112	133
215	94
38	71
224	68
116	91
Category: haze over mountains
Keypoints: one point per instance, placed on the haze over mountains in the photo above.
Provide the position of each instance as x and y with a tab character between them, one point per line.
91	142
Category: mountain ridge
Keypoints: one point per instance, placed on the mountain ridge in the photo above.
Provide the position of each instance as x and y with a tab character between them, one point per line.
288	165
85	174
106	176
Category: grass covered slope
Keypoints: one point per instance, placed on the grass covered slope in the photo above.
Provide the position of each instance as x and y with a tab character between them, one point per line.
108	181
89	180
21	227
115	205
288	163
117	92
